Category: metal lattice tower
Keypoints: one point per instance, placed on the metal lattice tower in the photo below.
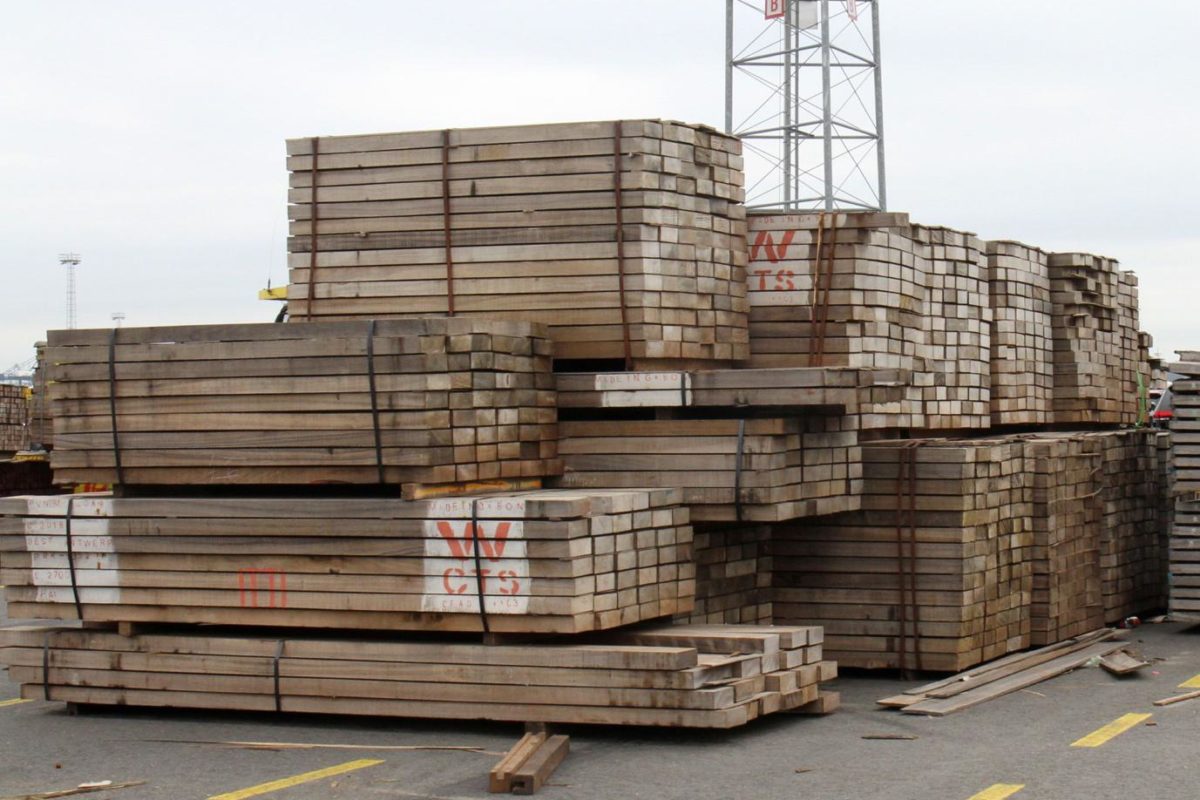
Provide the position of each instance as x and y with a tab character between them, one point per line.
804	91
71	261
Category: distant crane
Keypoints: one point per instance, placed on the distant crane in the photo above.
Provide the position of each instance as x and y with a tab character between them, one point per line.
20	374
70	261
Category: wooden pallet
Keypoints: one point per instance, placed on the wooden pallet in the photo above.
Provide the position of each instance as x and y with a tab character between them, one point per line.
395	402
552	561
710	677
626	238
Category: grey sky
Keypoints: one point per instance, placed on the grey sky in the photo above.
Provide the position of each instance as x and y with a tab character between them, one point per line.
148	136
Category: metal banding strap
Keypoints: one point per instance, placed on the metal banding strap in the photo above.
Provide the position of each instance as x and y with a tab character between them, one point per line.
483	616
314	222
112	403
275	674
619	205
46	666
71	560
830	254
912	563
685	383
737	475
448	241
815	297
374	401
902	607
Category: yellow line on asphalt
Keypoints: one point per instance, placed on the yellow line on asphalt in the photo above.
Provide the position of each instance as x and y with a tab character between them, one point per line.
1111	730
1191	683
14	702
296	780
998	792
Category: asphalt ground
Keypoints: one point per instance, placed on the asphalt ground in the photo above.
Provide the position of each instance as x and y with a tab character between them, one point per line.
1018	746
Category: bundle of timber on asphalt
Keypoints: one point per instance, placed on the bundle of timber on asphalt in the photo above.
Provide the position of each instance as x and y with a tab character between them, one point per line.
733	574
1066	472
551	561
1185	425
407	402
703	677
1095	326
760	470
40	421
833	389
934	573
1022	360
1185	560
626	238
956	381
13	414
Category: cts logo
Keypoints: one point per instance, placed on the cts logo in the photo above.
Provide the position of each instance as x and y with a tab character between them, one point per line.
453	580
461	544
764	242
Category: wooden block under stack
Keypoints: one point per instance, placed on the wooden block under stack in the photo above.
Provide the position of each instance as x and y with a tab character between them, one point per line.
956	379
611	233
394	402
935	571
552	561
715	677
13	412
841	290
733	575
729	470
1022	360
1067	596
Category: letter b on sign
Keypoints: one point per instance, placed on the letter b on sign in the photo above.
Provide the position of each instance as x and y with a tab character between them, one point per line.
775	9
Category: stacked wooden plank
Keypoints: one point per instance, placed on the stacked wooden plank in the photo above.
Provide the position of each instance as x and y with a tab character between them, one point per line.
1022	367
1067	597
1088	344
408	402
706	677
733	574
1185	426
626	238
935	571
1185	559
1135	373
40	420
1131	540
550	561
760	470
25	477
13	411
956	380
835	390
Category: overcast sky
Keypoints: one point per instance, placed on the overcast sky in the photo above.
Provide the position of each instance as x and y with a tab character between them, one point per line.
149	136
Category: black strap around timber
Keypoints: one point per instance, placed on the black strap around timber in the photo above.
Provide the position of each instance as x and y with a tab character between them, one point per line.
112	404
447	236
314	221
275	673
737	475
374	402
46	666
685	382
619	203
71	560
483	616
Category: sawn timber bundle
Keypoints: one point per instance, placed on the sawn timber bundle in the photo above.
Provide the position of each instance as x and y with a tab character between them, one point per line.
626	238
551	561
425	401
706	677
13	414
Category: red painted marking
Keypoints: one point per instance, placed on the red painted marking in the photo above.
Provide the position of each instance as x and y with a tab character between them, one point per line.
273	589
765	241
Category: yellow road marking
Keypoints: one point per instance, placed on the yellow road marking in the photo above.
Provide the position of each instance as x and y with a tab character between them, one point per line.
1191	683
998	792
296	780
15	702
1111	730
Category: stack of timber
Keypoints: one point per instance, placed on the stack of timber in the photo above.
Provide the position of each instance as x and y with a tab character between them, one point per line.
550	561
729	470
956	380
1022	361
626	238
1089	359
25	476
40	420
409	402
1067	596
733	574
934	573
706	677
1185	559
827	390
1132	538
1185	425
13	411
1135	371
